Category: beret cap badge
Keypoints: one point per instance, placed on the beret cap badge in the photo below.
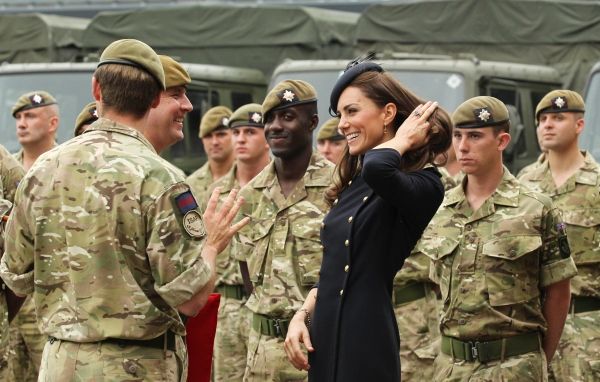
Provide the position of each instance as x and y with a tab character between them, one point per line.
483	115
36	99
287	95
256	117
559	102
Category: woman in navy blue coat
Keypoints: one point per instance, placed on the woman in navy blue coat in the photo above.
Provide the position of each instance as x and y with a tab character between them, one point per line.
384	195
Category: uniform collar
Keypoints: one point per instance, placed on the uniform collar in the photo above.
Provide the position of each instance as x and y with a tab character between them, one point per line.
506	194
105	124
312	177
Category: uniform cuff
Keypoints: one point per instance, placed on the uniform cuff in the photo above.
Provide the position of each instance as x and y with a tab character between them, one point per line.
558	271
19	284
186	285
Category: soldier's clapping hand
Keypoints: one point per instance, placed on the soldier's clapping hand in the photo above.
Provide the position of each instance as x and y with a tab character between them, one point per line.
217	219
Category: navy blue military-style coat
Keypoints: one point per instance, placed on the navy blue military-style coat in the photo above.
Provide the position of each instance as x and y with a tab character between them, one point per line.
366	236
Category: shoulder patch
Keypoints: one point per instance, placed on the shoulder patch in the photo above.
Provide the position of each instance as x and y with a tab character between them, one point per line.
193	224
185	202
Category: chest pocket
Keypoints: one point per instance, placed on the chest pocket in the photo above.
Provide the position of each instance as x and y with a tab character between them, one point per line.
438	249
583	232
260	244
308	250
512	268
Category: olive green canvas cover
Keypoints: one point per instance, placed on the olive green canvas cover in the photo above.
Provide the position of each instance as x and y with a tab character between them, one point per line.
256	37
36	37
564	34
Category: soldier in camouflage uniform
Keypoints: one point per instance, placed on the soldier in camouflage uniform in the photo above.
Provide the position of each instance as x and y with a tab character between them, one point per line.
119	247
572	178
218	146
501	257
252	155
37	119
330	143
11	173
86	117
281	248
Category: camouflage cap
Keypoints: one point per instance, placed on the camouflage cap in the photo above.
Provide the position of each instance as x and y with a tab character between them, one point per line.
479	112
175	73
329	130
560	101
215	118
88	115
134	53
288	93
32	100
247	115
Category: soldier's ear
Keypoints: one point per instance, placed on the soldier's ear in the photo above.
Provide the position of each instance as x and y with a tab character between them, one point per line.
503	140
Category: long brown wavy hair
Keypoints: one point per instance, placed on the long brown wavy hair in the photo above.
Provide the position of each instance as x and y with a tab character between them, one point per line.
382	88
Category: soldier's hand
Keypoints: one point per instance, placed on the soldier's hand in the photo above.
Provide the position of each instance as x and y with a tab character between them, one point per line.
298	334
217	219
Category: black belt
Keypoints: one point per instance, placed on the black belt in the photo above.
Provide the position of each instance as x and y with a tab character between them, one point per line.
155	343
581	304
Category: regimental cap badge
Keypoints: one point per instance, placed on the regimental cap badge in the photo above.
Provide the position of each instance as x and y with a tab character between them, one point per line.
215	118
225	121
483	115
287	95
36	99
255	117
559	103
94	112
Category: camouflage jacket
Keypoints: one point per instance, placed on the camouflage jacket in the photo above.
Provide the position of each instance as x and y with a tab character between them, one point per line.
282	243
113	236
579	200
492	264
200	181
532	166
11	173
416	266
228	270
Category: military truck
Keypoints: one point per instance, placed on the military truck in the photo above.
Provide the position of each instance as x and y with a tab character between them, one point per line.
450	81
70	83
590	138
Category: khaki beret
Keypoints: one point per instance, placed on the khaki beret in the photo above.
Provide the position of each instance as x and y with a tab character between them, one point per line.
32	100
175	74
288	93
560	101
329	130
134	53
480	111
88	115
247	115
214	118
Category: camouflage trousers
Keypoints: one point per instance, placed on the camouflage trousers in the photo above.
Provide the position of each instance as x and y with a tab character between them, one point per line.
26	345
267	361
578	355
528	367
96	361
418	323
231	338
4	338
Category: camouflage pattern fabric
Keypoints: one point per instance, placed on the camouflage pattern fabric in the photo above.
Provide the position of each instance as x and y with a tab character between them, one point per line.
200	182
579	201
528	367
18	156
418	321
532	167
283	250
71	361
492	264
233	320
124	250
11	173
26	345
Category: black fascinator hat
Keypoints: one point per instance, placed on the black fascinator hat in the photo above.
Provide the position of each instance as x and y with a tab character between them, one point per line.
354	68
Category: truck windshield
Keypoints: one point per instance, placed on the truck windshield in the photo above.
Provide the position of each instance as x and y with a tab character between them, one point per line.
446	88
590	138
71	89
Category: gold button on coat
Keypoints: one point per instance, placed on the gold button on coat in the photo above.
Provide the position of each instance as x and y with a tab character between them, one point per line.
347	242
350	219
341	292
346	268
365	199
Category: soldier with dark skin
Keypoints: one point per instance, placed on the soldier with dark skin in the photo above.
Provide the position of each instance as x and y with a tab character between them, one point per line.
571	177
501	256
280	248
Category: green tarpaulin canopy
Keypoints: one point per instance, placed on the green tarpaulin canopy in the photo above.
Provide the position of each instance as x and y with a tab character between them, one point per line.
255	37
35	37
563	34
